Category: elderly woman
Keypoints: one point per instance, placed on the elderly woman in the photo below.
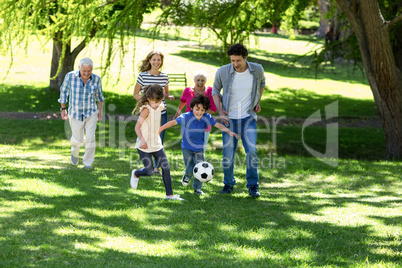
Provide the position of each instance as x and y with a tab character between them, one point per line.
199	88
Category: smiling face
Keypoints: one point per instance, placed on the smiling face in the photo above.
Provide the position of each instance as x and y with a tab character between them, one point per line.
155	62
86	72
198	111
199	82
239	63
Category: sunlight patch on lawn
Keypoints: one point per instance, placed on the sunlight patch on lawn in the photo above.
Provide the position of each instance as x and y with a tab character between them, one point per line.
43	188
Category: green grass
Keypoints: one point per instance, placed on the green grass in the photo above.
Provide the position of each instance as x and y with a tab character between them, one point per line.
310	214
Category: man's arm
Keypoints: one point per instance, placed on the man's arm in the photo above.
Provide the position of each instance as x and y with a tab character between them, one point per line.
64	90
257	107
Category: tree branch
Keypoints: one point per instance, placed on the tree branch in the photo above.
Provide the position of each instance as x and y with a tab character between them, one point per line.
83	43
108	2
394	21
12	3
44	4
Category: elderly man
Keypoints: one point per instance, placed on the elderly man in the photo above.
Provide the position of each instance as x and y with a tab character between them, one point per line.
84	90
243	83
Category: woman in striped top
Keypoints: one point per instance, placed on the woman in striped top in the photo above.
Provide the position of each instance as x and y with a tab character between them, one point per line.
150	74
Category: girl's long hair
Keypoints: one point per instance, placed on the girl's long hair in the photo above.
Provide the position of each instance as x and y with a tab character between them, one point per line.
145	65
152	92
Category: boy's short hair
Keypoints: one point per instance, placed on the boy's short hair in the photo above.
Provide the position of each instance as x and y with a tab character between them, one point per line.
200	99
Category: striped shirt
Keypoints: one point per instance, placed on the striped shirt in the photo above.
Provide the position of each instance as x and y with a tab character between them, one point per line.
146	79
81	97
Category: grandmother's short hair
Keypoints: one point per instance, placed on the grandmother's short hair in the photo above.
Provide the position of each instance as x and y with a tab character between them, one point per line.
200	73
86	61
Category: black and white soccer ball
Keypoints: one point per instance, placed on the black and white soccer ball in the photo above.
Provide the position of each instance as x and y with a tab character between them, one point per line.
203	171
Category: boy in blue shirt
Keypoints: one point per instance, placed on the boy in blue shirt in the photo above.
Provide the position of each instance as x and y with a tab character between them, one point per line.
193	125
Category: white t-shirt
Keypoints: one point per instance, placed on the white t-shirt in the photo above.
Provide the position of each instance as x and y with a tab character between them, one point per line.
240	95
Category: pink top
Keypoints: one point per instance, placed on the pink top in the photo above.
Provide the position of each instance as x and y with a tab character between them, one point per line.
188	95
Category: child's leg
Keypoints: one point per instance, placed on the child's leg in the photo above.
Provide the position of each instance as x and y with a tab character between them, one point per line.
189	162
198	157
161	158
148	168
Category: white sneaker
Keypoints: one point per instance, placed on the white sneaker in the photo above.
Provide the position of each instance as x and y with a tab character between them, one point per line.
174	197
133	180
185	180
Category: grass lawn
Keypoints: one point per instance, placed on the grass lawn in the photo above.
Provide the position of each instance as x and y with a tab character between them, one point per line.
310	214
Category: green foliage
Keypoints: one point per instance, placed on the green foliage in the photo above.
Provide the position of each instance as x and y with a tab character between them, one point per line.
231	21
61	20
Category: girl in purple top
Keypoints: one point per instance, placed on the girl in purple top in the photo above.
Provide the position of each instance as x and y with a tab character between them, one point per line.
199	88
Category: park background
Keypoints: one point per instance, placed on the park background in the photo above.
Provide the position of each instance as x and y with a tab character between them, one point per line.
310	214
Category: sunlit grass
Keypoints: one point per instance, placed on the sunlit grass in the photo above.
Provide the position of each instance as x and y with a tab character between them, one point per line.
310	214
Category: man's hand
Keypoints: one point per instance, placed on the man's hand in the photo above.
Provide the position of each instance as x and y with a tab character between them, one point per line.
64	115
223	115
257	108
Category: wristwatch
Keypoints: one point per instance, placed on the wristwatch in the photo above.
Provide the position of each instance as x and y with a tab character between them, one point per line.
62	108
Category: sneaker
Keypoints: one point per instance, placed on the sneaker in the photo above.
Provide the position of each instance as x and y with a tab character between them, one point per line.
227	189
185	180
253	192
74	160
174	197
198	191
88	167
133	180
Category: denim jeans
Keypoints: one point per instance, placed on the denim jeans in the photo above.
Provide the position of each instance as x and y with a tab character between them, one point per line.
190	160
246	128
162	135
148	168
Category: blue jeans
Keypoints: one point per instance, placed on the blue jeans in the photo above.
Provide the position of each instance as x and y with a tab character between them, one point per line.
246	128
148	168
190	160
162	135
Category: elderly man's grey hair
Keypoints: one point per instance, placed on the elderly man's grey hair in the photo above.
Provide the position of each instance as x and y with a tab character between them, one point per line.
86	61
200	73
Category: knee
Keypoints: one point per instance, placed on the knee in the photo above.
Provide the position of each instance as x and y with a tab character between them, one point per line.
76	143
149	171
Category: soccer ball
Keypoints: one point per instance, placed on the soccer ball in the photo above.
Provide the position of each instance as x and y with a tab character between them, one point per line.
203	171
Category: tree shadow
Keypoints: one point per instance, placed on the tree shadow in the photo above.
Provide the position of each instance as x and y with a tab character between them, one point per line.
83	224
276	63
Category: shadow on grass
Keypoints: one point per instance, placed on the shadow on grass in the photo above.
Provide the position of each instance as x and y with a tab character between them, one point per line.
69	216
276	63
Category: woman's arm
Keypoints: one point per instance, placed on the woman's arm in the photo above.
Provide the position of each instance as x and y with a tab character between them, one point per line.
181	106
137	90
167	95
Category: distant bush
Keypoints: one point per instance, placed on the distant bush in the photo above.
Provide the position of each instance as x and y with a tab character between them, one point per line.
308	25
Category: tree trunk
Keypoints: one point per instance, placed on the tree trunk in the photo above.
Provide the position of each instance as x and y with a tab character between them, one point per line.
324	23
68	58
384	77
67	64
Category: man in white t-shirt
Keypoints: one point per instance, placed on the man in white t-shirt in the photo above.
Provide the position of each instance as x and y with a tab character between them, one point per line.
242	83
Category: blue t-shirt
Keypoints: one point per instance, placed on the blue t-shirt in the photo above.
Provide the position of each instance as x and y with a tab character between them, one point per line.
192	130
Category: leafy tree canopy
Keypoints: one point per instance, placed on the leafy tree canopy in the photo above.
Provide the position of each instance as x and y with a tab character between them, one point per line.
61	20
231	21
